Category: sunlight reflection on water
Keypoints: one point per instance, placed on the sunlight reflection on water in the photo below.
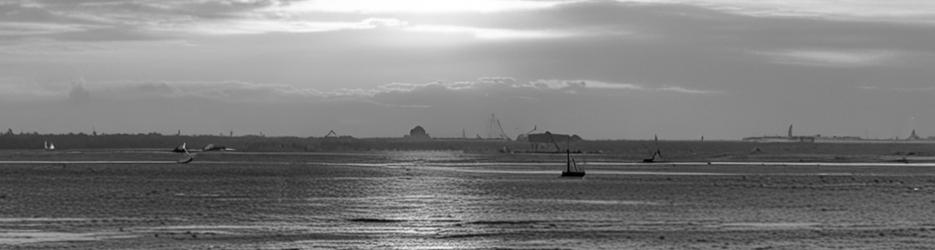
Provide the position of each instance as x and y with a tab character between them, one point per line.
425	155
429	210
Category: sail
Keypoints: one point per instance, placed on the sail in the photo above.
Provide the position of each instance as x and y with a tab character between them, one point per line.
571	168
180	149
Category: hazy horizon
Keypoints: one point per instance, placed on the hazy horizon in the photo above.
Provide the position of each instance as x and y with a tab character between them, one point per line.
602	69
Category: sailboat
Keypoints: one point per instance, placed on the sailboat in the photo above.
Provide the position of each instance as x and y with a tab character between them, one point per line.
188	156
571	168
657	156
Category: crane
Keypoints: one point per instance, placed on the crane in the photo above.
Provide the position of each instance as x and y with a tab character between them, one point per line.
494	127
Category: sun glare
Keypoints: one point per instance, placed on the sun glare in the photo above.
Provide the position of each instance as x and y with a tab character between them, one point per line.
421	6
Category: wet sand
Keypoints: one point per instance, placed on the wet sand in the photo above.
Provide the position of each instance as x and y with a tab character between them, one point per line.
454	200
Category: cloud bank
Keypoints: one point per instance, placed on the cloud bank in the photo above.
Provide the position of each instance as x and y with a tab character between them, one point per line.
234	91
444	107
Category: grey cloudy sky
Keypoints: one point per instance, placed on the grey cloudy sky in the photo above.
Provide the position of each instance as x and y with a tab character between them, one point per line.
602	69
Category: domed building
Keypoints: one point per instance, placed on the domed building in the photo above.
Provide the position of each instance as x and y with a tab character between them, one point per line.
418	133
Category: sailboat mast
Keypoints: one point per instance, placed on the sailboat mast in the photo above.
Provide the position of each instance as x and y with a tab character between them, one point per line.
568	153
567	160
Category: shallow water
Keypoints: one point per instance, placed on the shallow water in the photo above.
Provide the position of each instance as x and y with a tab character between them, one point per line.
443	199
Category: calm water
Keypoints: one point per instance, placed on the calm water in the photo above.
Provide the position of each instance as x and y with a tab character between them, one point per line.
415	204
445	200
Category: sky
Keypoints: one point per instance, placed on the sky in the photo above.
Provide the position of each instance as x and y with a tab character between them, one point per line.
602	69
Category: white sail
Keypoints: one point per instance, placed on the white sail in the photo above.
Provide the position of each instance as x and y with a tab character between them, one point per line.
181	148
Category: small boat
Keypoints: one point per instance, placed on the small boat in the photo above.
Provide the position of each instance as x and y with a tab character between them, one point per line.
184	150
571	168
212	147
903	160
657	157
48	146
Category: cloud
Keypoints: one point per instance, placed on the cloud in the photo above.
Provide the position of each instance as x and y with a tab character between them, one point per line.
420	6
261	26
239	27
682	54
599	85
494	84
30	28
224	91
144	105
166	19
246	92
384	22
831	58
490	33
684	44
227	91
38	49
175	19
897	89
684	90
147	20
905	11
18	93
40	17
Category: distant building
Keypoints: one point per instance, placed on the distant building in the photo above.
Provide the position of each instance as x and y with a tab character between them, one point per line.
548	140
913	136
788	138
837	138
549	137
781	139
418	133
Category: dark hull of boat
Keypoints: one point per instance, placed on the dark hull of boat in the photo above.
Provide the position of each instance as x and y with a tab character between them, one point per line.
185	160
572	174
